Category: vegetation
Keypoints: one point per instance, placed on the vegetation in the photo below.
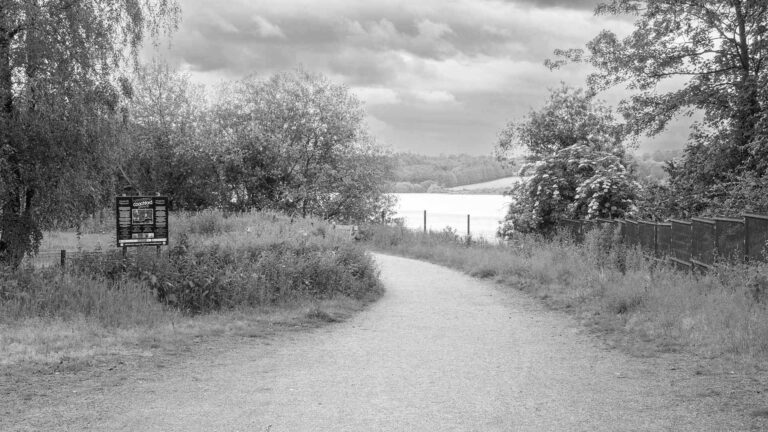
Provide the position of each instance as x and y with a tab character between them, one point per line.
60	88
163	145
717	50
294	143
577	162
652	167
253	264
636	302
419	173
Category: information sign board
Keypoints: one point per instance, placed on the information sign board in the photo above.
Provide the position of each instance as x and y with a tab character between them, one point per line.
141	220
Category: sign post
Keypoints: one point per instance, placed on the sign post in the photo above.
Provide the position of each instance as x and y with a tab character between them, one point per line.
141	221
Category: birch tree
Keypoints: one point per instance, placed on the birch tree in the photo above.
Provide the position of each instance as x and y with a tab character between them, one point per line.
60	93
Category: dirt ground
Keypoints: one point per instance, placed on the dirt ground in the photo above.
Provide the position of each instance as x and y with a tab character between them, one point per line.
440	351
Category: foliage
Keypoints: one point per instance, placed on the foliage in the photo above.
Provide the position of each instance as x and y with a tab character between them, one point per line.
59	106
168	124
27	293
296	142
226	268
713	52
576	161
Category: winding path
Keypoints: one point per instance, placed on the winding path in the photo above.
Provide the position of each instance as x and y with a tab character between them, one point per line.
439	352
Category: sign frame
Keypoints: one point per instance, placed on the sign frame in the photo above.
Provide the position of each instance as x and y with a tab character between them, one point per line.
141	221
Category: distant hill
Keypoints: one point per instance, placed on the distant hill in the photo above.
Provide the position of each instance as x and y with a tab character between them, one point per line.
421	173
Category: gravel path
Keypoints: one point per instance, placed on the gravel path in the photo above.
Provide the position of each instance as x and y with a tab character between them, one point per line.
439	352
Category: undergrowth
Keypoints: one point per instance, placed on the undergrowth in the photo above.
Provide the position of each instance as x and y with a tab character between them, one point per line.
257	261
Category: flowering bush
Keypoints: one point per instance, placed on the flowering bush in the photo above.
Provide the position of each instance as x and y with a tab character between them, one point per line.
577	166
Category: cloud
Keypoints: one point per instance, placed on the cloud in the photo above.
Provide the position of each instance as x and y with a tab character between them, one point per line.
267	29
434	96
565	4
376	96
423	68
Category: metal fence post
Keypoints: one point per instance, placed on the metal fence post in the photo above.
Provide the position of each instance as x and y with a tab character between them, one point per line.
63	258
425	221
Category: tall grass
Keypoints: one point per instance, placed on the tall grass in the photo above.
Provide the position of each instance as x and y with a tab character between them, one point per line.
613	288
254	262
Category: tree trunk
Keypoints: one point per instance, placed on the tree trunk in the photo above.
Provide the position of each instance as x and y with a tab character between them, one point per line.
15	223
18	231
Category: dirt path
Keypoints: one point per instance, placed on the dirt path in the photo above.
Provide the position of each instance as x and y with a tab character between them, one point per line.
439	352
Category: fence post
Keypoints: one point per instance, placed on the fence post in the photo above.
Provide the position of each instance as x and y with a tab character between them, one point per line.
63	258
425	221
468	226
746	239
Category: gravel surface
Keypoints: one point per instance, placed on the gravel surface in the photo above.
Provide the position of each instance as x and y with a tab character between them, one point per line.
439	352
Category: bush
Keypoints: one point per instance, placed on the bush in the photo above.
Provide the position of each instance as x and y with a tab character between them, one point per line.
214	263
202	276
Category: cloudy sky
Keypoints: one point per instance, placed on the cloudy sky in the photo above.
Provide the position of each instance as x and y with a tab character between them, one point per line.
437	76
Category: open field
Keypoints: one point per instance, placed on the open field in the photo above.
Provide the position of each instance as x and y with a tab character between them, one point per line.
502	185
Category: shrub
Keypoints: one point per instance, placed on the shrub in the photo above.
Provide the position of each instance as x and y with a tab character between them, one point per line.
218	273
214	263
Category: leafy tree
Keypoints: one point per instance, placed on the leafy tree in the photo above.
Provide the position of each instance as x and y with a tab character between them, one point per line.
712	52
167	139
297	142
576	162
59	104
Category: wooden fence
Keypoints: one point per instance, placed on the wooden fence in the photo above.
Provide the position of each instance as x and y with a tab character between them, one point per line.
699	242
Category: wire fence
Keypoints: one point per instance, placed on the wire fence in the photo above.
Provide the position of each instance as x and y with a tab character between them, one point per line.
63	257
698	242
112	254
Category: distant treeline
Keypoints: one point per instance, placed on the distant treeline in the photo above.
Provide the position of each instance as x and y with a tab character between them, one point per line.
421	173
651	166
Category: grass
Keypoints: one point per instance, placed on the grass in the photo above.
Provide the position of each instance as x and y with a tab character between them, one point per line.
243	276
636	302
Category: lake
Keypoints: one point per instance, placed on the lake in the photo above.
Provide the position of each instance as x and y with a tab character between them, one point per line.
451	210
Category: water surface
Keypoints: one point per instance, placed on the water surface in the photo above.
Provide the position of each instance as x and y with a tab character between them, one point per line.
451	210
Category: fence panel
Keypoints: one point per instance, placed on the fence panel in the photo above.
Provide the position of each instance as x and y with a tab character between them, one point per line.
602	223
729	239
588	225
574	227
663	239
632	232
702	241
623	231
681	242
647	235
756	229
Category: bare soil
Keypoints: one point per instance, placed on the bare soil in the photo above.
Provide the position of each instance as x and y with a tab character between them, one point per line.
440	351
